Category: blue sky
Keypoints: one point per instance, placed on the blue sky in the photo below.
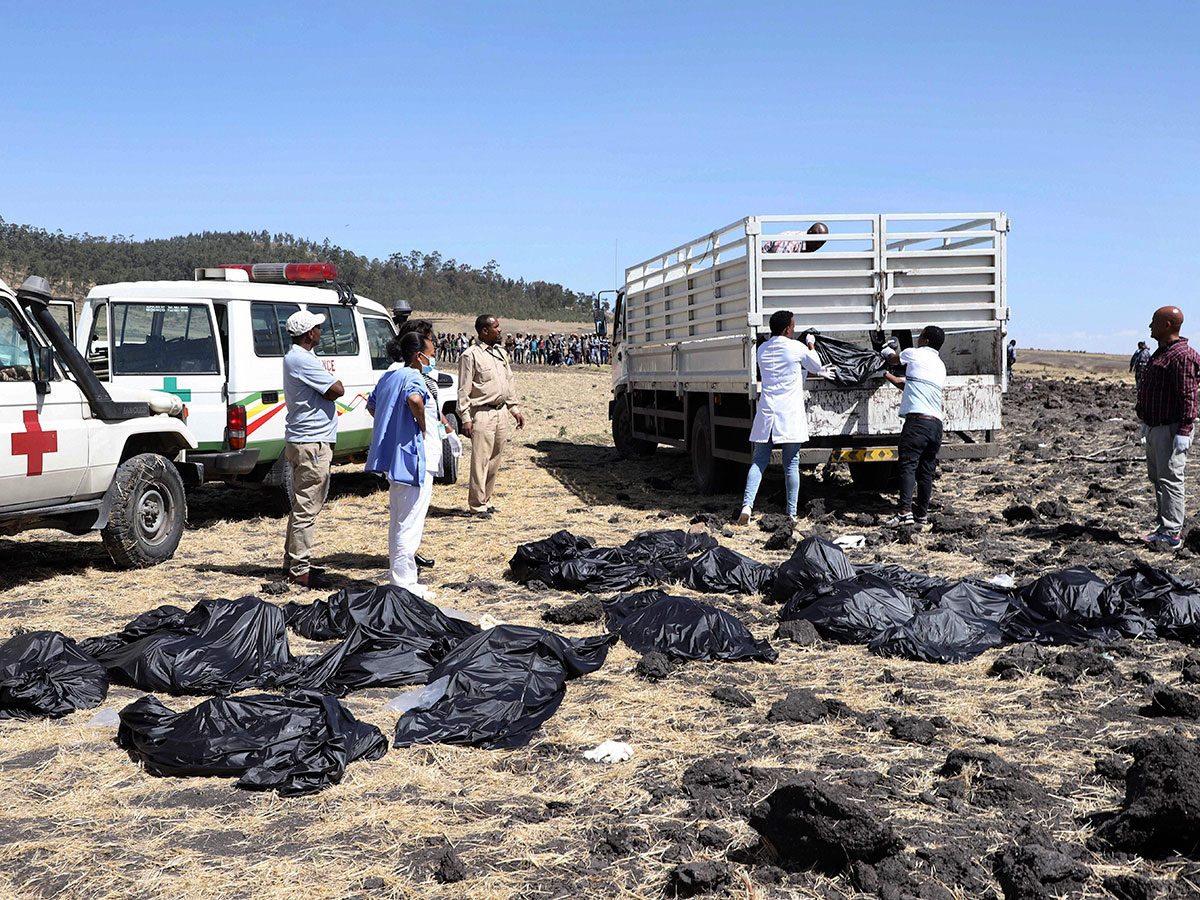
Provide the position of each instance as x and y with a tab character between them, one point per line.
564	138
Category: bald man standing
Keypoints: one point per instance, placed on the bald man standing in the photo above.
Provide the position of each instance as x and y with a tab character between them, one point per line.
1166	404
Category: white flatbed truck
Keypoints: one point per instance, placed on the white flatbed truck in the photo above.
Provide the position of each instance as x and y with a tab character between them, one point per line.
688	321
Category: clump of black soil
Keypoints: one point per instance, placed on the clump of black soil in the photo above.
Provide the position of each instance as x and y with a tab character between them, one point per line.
776	522
581	612
805	707
654	666
733	696
798	631
1161	812
1169	701
810	824
914	729
984	779
1037	867
449	868
692	878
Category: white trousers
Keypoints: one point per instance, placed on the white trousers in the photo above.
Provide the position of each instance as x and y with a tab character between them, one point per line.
408	508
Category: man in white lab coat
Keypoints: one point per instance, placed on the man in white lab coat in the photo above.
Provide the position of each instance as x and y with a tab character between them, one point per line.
780	419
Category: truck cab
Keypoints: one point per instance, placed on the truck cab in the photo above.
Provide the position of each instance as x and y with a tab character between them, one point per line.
76	456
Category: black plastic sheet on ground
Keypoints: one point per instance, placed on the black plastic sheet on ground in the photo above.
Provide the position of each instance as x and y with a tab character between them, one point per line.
682	628
43	673
219	647
853	611
502	684
720	570
570	563
295	745
939	635
814	565
853	365
395	638
532	556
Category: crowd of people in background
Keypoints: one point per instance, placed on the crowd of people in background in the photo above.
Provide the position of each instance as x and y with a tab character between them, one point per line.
533	349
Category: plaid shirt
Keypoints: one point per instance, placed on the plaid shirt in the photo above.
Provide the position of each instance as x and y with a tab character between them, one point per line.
1167	393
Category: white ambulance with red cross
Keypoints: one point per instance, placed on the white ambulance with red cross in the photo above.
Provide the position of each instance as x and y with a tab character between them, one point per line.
218	343
75	455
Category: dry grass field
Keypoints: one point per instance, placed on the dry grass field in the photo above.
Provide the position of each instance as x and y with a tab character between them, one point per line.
81	820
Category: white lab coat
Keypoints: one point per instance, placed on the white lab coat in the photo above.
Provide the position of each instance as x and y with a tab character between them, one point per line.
782	362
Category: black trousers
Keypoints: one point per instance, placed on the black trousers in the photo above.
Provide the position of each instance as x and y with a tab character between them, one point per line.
920	441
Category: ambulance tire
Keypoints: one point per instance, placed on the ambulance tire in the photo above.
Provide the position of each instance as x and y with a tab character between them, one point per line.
449	460
149	509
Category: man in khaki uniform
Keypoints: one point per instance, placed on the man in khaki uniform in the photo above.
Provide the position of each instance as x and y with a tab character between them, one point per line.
485	389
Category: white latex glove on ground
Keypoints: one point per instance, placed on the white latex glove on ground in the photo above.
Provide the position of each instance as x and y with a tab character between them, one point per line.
487	620
1182	442
609	752
828	372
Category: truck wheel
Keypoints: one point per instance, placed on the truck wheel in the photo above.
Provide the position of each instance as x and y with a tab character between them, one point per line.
875	476
280	494
148	511
449	461
622	431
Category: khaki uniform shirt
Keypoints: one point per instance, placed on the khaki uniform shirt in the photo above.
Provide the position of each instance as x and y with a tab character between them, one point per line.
485	380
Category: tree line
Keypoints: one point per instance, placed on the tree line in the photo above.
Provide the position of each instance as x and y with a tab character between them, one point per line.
74	263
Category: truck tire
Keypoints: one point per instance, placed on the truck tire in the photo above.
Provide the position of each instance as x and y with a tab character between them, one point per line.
449	460
622	431
875	476
279	502
148	512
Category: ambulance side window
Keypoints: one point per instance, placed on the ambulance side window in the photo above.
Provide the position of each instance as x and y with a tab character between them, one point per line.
338	334
16	361
379	332
268	322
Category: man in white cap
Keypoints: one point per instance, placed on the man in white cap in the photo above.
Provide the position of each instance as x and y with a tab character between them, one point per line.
309	432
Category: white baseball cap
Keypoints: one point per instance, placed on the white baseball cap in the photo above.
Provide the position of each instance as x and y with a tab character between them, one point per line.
303	322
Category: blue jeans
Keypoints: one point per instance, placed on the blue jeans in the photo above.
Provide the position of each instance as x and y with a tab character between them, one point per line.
791	473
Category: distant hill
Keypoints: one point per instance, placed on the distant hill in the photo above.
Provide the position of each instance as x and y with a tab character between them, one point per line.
74	263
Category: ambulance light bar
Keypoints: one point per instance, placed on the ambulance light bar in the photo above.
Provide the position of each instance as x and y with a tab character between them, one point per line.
288	273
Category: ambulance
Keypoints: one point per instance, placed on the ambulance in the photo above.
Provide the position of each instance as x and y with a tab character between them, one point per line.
218	343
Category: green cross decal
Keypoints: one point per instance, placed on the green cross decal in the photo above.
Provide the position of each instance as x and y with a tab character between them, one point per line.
171	386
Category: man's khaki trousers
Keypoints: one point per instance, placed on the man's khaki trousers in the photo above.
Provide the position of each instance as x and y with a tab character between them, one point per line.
310	486
488	436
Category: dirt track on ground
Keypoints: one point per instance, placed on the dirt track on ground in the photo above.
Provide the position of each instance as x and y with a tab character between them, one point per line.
82	820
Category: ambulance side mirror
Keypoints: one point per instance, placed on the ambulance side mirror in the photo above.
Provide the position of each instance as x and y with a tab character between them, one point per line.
44	370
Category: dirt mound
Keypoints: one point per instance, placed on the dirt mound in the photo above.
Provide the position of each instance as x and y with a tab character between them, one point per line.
1161	812
1037	867
810	824
733	696
581	612
984	779
805	707
692	878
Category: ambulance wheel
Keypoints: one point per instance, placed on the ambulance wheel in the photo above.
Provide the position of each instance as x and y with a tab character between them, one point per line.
148	512
449	460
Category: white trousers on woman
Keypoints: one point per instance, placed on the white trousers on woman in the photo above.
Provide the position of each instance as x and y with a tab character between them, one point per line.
408	508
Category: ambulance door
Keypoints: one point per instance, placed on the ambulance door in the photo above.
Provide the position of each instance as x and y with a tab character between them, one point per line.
172	346
344	355
43	439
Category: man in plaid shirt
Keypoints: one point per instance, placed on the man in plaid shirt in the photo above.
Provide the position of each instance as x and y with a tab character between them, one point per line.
1166	405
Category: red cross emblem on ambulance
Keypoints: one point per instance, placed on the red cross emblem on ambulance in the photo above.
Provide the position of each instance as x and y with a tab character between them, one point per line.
33	442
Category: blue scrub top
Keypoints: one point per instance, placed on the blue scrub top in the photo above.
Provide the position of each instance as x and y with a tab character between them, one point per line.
397	445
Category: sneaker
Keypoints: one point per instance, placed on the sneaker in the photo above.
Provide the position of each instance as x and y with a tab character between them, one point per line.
1152	538
744	518
1170	541
900	520
922	522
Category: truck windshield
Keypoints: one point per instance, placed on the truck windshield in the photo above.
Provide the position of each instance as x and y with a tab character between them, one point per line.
154	338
